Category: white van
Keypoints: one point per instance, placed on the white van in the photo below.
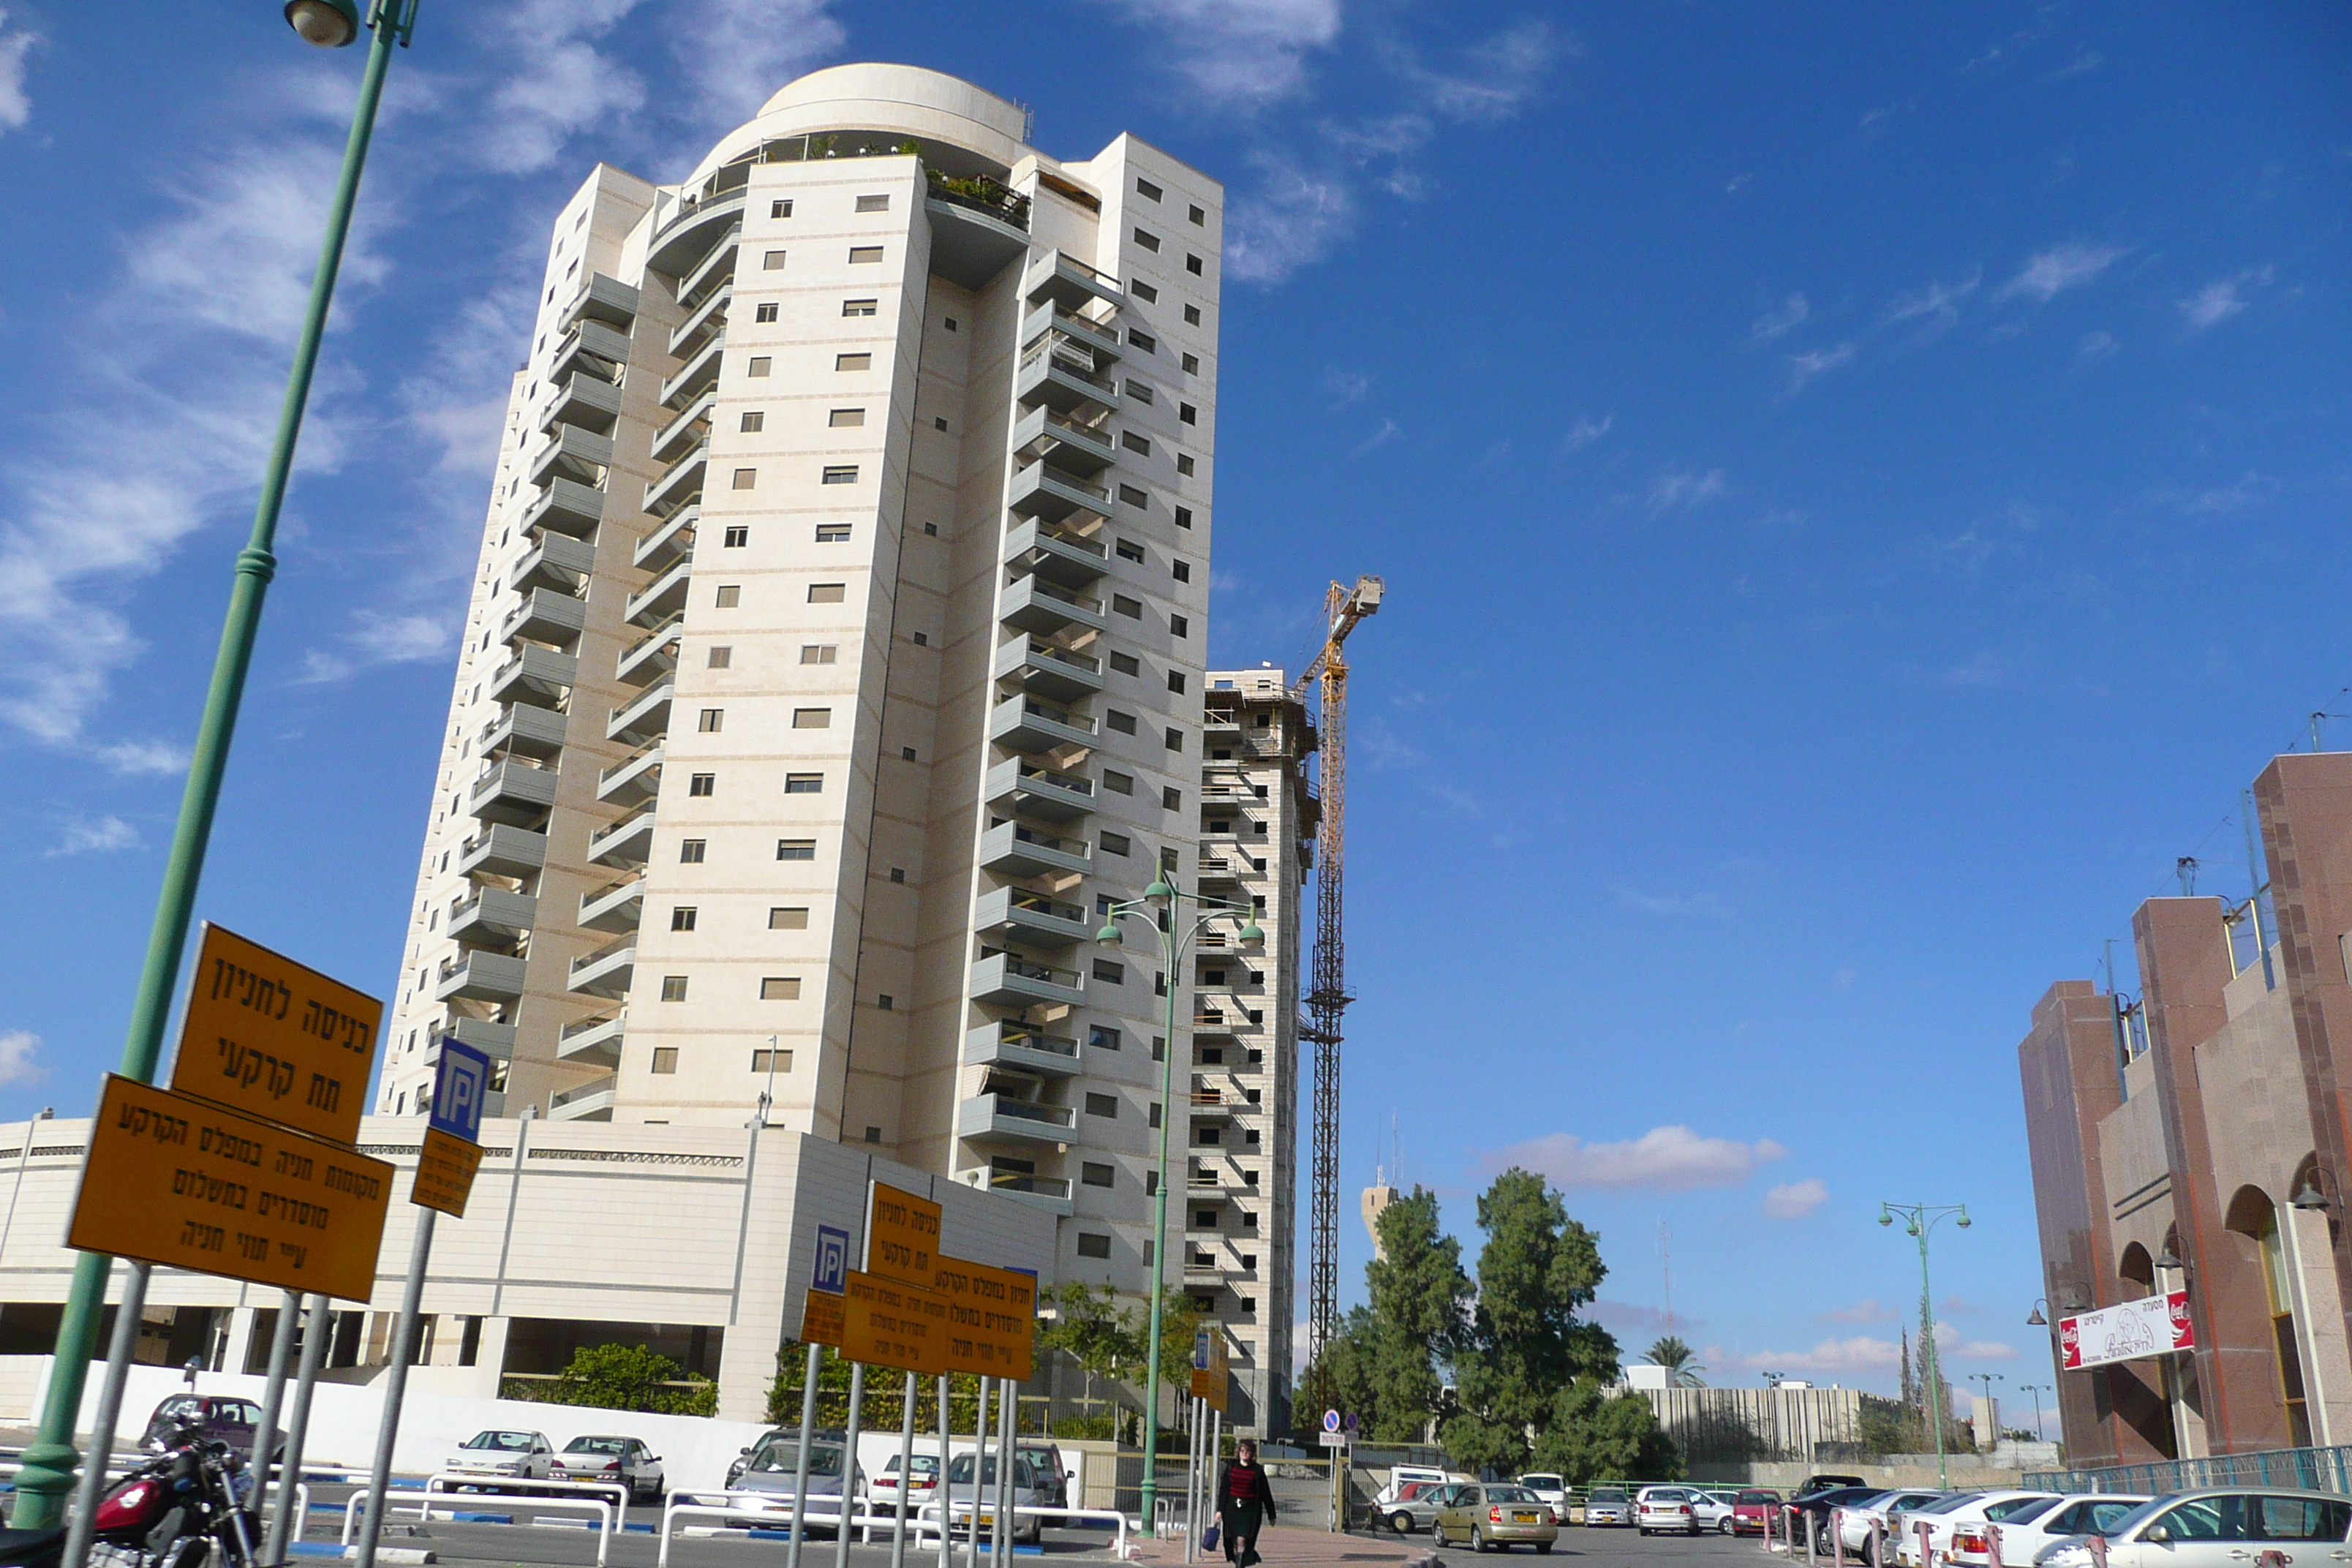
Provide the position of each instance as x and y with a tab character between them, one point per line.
1400	1474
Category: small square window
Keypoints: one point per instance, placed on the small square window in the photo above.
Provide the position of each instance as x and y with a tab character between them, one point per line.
788	920
728	596
851	361
885	1001
1171	798
1140	392
1184	464
819	653
1183	517
760	365
1146	189
772	1061
812	718
827	593
803	783
1094	1174
737	537
845	418
932	530
864	255
690	851
780	988
1116	781
1146	238
841	474
1192	265
772	262
665	1060
747	479
1176	681
1143	291
712	719
1127	607
1128	550
1115	844
1175	739
1135	443
874	1135
1143	340
682	918
1122	722
1130	495
765	311
780	209
1199	216
898	873
795	848
673	988
1179	626
1102	1037
1187	413
752	420
922	639
833	533
1105	1105
874	204
860	307
1125	664
722	657
1092	1245
702	785
907	752
1183	570
1191	319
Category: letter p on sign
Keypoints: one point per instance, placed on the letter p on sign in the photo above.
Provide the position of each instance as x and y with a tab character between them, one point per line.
463	1078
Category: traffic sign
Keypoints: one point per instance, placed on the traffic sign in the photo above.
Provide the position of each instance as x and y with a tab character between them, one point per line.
271	1039
1330	1421
832	1266
445	1173
821	1319
1331	1439
888	1322
1351	1423
902	1234
171	1179
992	1318
461	1079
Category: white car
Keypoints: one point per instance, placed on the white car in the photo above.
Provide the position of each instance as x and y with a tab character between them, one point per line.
1944	1524
1666	1507
1858	1517
503	1455
1713	1508
2220	1527
2024	1535
622	1461
1552	1488
1400	1474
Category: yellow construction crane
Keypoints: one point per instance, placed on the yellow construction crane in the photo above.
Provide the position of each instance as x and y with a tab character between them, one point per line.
1326	997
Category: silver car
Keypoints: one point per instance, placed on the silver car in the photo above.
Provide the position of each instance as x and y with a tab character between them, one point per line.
771	1468
496	1456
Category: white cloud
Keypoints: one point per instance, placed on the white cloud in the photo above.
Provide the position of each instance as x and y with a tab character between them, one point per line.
102	837
1951	1343
2061	267
1387	433
2097	345
1631	1317
2244	493
1804	368
1939	302
136	757
377	639
737	53
16	105
1291	220
1780	323
1862	1353
2217	301
1501	74
1586	432
19	1049
1795	1200
1664	1159
1240	53
1869	1310
1677	492
1346	386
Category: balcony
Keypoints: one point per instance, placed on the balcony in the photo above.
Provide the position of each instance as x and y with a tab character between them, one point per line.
1007	1044
1043	491
698	374
523	730
662	599
1204	1271
517	793
628	843
1001	980
651	658
1026	725
672	541
688	235
571	453
605	971
589	1101
1032	919
614	907
633	780
1001	1117
680	484
503	852
1212	1024
590	402
712	271
566	507
1052	379
592	349
492	917
536	676
1051	1193
1032	604
1065	558
1022	787
1016	849
691	424
558	562
1045	670
478	976
605	300
1220	871
1100	337
547	616
490	1040
592	1042
643	718
1209	1105
1067	281
1073	447
707	317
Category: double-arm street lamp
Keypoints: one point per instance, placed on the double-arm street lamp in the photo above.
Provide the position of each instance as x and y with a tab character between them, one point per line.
49	1463
1918	1219
1177	930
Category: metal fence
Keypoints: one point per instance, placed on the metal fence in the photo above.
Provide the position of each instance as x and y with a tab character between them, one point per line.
2310	1469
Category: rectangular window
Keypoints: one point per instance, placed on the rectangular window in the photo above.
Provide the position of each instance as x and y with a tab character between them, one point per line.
1146	189
1125	664
766	312
1143	291
1199	216
1171	798
874	204
1146	238
1114	843
803	783
1179	626
819	653
852	362
1143	340
1183	517
780	209
1135	443
841	474
780	988
1106	1105
827	593
864	255
1182	569
1128	550
712	718
1122	722
860	307
1155	1116
1127	607
773	262
747	479
682	918
1102	1037
1176	681
728	596
753	420
1184	464
795	848
673	988
1187	413
1096	1175
1116	781
1193	318
1140	392
772	1061
1092	1245
722	657
665	1060
1192	265
781	919
812	718
690	851
845	418
702	784
737	538
760	365
1175	739
833	533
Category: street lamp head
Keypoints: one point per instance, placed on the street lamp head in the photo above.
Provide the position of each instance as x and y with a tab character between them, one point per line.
2311	1198
329	23
1252	936
1964	1219
1885	1217
1109	933
1160	888
2037	1320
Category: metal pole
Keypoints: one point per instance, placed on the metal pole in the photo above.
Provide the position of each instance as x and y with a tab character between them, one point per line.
48	1461
939	1485
979	1469
801	1468
1008	1429
1192	1486
395	1386
1934	1365
316	1332
1170	953
514	1192
849	1462
905	1472
128	1313
1211	1501
273	1393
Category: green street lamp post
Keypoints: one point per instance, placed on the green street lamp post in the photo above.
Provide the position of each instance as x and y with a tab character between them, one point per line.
1165	905
49	1462
1918	1219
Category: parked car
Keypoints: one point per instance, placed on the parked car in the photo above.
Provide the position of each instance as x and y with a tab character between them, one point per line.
1028	1491
2024	1534
1863	1512
1950	1527
222	1418
1819	1506
2214	1527
623	1461
1403	1476
1054	1477
1494	1516
1418	1507
1608	1505
923	1489
504	1456
1665	1508
772	1467
1823	1483
1902	1523
1713	1506
1753	1509
1552	1488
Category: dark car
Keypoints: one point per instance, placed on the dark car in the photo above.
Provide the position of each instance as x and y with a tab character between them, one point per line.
1823	1483
1818	1504
223	1418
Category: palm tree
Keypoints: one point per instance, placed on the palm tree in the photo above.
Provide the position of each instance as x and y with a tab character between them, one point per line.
1681	1372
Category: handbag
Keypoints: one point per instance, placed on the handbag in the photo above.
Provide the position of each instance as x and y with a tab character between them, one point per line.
1209	1537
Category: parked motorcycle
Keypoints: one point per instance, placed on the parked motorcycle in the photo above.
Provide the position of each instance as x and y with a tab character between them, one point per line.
179	1508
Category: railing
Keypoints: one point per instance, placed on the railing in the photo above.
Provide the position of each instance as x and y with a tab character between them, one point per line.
982	195
1063	259
1047	840
1039	904
1029	970
1030	1040
1070	782
1072	429
1047	590
2310	1469
1031	707
594	1087
1028	1182
1068	483
582	964
1064	361
652	749
1026	1111
589	1025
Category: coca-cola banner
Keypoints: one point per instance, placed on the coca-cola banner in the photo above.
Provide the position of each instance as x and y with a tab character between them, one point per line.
2153	1325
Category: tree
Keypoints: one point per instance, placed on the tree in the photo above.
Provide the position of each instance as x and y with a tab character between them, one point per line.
1682	1369
1595	1433
1419	1315
628	1377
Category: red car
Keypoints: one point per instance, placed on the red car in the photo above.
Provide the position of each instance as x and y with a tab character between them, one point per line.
1753	1509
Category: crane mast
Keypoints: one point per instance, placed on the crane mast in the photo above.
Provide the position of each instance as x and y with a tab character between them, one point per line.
1326	996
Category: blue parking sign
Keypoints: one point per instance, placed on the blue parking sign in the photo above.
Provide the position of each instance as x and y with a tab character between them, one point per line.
460	1084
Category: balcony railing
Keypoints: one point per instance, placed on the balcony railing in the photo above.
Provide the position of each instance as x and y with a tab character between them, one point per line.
1027	1182
981	194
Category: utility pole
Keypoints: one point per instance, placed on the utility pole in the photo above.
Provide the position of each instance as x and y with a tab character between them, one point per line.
1918	1219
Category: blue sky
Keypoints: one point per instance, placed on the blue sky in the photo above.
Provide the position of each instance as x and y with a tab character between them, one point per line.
1860	489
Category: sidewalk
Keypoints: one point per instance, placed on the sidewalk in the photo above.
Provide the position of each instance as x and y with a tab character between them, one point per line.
1296	1546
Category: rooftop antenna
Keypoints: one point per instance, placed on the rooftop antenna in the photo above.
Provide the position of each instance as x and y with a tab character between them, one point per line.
2186	869
2315	719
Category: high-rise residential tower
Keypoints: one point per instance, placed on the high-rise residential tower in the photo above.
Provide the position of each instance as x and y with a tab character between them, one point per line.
835	655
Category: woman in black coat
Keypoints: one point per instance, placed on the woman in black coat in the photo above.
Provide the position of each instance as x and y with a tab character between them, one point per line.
1244	1502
